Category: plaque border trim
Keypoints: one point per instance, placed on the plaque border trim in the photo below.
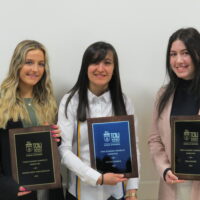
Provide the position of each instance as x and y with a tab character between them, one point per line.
54	154
128	118
174	120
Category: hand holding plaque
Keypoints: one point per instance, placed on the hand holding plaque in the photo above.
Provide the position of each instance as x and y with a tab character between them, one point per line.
34	158
112	145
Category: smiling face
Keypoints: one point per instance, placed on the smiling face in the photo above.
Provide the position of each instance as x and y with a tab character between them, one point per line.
180	61
32	70
100	74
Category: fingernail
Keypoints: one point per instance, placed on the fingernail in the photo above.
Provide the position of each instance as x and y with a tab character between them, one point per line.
53	126
52	131
23	189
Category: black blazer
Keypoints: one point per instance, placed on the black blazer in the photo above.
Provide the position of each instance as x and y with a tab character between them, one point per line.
8	187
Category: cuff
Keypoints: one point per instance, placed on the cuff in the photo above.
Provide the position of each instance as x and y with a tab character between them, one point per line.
92	176
165	172
133	183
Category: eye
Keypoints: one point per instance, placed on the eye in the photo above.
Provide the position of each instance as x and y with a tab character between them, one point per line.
42	64
108	62
186	53
28	62
172	54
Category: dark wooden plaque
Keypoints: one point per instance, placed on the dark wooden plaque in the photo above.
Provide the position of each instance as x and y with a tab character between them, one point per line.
185	149
113	145
34	158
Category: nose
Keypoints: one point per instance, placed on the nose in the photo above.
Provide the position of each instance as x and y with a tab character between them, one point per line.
100	66
35	67
179	58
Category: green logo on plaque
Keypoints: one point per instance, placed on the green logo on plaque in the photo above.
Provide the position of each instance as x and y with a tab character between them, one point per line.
37	147
34	148
191	137
29	147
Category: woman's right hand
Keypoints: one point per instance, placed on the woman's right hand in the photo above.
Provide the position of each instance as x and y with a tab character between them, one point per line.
111	179
22	191
171	178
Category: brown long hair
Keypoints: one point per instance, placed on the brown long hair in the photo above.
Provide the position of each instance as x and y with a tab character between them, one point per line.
191	39
95	53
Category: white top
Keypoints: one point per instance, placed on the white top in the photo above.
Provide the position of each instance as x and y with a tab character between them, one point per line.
100	106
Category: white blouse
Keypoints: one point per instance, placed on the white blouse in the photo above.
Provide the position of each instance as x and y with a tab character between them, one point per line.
100	106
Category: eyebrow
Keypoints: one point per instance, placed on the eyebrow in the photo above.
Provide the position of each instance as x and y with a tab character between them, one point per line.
108	59
180	50
33	59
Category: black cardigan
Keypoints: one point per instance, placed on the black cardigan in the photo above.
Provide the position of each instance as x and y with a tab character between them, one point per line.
8	187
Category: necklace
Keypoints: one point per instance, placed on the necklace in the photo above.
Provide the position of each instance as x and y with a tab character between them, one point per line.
28	101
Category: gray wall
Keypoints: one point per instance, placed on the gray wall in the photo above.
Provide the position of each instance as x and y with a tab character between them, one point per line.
139	30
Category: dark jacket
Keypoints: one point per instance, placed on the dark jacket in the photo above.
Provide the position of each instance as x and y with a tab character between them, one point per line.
8	187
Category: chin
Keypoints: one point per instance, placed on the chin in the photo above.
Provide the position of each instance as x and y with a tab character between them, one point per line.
184	77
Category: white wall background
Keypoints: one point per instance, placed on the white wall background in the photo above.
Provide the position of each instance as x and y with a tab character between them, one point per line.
139	30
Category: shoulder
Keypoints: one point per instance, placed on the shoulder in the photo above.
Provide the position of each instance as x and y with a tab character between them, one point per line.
72	104
73	100
160	92
127	99
128	104
11	124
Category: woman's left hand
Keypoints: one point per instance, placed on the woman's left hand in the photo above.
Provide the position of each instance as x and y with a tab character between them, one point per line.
133	191
56	133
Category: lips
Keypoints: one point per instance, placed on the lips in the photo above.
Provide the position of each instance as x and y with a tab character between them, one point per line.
100	75
181	68
32	76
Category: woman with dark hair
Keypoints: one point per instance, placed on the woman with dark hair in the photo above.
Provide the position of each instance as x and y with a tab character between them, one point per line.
97	93
26	99
181	96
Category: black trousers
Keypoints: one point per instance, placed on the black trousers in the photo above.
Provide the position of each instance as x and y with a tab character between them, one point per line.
54	194
71	197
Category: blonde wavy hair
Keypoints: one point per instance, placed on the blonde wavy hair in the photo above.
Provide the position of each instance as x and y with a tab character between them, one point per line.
12	106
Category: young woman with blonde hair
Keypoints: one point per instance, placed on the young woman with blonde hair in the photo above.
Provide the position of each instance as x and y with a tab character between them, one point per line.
26	99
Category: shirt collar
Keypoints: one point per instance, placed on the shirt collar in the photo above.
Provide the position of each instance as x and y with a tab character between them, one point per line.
104	97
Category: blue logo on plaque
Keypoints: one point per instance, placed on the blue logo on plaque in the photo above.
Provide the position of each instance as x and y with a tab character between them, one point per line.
115	137
106	136
112	146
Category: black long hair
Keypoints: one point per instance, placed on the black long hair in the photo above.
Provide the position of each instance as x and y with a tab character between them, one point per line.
95	53
191	39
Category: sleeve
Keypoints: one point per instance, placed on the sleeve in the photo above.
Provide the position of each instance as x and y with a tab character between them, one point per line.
133	183
68	158
156	146
8	188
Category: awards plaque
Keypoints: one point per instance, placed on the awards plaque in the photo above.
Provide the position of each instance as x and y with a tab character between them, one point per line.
113	145
186	147
34	158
